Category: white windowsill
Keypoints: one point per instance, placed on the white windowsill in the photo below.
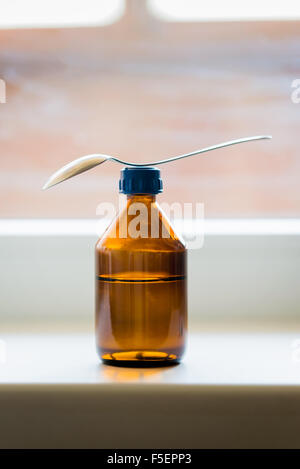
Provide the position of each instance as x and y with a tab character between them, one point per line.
240	373
90	227
54	393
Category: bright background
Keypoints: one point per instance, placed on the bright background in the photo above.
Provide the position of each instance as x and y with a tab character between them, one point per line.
146	80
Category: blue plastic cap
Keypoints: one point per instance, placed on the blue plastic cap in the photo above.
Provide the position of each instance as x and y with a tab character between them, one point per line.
140	180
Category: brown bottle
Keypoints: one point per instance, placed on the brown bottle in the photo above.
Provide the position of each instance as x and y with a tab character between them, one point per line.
141	295
141	285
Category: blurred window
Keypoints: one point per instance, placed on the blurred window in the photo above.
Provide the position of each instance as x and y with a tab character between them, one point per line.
195	10
145	89
59	13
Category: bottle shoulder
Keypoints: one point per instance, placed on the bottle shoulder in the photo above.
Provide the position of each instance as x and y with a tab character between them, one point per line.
145	230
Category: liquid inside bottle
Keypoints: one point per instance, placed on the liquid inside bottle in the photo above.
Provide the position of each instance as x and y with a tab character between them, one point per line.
141	297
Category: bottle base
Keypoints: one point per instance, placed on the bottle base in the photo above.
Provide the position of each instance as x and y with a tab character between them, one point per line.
140	359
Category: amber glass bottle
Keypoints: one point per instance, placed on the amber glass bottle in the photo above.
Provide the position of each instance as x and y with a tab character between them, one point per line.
141	286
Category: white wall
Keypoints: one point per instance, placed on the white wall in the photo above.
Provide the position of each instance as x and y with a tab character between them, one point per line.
255	276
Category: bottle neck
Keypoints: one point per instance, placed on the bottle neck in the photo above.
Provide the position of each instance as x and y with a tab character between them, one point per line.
144	198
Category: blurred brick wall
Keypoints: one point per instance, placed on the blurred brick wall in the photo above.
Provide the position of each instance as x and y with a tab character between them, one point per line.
144	89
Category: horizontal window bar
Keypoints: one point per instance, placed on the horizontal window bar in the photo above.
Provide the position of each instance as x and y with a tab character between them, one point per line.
94	227
220	10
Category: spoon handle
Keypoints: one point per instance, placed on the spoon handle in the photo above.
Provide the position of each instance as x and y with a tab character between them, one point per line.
196	152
